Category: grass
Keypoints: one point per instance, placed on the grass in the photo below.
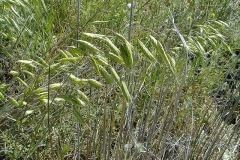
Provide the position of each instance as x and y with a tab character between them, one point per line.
148	82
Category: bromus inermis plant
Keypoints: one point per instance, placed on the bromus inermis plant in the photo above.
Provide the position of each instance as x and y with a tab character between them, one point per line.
119	80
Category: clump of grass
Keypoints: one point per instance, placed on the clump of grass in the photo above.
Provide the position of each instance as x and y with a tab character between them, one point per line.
87	92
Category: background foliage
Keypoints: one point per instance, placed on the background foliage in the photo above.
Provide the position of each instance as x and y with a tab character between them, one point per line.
159	80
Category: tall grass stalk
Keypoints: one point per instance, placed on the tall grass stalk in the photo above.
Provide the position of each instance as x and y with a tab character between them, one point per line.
77	37
130	20
73	87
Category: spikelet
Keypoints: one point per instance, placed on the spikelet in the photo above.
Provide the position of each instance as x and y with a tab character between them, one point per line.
28	73
126	55
64	54
93	35
56	86
113	57
83	96
78	115
125	91
105	75
21	81
14	102
94	83
14	73
95	64
115	76
126	51
101	60
112	46
146	52
41	61
76	51
160	50
88	46
1	96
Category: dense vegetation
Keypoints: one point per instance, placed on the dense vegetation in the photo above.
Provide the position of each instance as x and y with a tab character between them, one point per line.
103	79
